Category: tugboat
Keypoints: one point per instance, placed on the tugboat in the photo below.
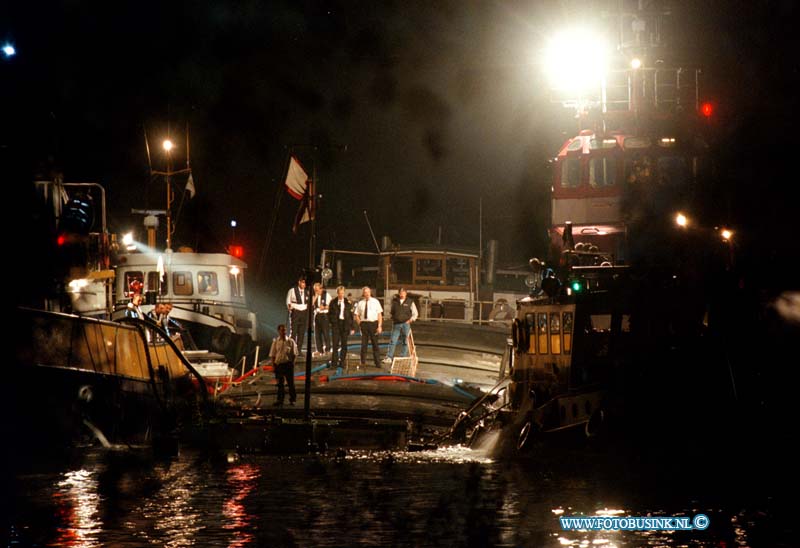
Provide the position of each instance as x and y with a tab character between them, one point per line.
76	374
612	311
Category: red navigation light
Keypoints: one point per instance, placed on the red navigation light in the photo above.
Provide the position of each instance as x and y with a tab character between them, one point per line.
61	240
707	109
236	251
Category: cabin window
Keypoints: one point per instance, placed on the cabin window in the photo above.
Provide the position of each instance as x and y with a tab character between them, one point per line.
155	282
134	283
673	171
542	333
567	325
182	283
603	172
571	172
237	284
207	283
429	269
458	271
600	322
638	170
555	333
402	270
530	327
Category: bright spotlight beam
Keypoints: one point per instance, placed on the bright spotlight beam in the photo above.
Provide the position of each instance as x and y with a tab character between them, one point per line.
9	50
576	60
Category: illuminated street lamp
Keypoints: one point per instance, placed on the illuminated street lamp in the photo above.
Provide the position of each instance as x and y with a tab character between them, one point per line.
681	220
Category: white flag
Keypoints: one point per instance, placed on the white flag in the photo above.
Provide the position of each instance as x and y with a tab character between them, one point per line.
160	268
190	186
296	179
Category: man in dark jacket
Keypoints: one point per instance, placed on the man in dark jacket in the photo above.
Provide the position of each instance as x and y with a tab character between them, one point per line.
340	316
404	313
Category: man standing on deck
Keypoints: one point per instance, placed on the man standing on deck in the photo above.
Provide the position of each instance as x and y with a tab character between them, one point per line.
282	355
340	315
404	313
369	317
297	303
322	329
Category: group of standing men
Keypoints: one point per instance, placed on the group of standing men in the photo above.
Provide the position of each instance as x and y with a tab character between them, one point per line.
336	318
334	321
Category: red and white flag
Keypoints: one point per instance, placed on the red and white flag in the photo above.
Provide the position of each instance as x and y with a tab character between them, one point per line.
306	211
296	179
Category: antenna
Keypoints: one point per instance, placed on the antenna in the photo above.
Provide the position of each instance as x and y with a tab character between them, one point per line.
371	232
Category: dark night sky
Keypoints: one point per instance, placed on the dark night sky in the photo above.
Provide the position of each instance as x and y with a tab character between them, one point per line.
437	103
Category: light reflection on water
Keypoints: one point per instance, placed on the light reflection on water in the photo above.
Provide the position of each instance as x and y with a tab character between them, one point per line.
447	497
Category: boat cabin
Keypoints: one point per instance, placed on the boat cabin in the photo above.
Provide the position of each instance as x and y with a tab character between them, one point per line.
444	282
204	288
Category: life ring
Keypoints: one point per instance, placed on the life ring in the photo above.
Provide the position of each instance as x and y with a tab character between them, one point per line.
221	339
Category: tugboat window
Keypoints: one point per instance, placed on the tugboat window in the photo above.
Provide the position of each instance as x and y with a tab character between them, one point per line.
543	333
429	269
603	172
237	287
458	271
402	270
673	170
154	283
638	170
207	283
182	283
567	332
571	173
530	326
555	333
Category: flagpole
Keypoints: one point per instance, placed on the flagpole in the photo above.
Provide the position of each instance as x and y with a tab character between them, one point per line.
312	190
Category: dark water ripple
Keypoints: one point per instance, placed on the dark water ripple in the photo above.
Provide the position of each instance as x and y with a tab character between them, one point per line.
453	497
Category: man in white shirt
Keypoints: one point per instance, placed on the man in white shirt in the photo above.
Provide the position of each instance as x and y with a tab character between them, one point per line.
297	303
369	317
282	354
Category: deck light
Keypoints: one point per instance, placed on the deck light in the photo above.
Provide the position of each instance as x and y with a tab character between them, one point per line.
127	239
636	63
168	145
681	220
726	234
9	50
576	60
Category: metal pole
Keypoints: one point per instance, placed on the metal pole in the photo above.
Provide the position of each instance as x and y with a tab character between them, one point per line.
169	201
311	241
480	242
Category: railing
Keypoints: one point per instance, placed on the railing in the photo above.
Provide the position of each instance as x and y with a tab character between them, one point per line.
471	312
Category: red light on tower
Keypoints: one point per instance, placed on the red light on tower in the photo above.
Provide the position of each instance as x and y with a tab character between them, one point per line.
236	251
61	240
707	109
